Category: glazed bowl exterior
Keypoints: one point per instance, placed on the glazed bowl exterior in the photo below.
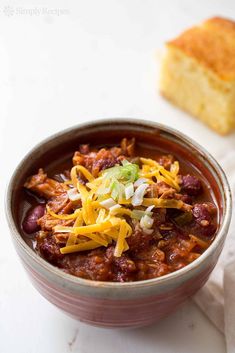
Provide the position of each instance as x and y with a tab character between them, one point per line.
110	304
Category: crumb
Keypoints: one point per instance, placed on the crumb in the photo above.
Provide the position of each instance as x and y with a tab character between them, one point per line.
72	342
191	326
230	253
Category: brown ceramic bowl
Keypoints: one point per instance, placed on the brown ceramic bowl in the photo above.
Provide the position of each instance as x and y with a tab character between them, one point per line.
119	304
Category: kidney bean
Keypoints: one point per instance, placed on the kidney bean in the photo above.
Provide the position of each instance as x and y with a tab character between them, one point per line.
201	212
50	250
191	185
30	221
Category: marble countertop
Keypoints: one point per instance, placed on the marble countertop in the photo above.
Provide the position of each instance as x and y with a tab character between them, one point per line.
62	63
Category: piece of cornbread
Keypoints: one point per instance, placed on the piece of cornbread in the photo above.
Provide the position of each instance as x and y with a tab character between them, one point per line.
198	73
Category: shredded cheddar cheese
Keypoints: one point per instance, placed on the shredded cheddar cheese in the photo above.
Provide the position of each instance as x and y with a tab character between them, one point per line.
83	170
153	169
71	239
120	240
88	245
84	229
163	203
96	221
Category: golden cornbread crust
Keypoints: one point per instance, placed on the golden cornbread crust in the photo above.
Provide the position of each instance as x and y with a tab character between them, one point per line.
213	44
198	73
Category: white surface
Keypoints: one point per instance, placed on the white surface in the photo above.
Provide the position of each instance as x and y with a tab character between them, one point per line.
95	59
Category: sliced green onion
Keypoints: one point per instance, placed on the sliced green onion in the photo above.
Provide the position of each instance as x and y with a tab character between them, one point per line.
140	181
121	192
147	231
129	191
108	203
125	173
125	162
73	194
114	187
146	222
149	209
103	191
137	214
115	207
137	199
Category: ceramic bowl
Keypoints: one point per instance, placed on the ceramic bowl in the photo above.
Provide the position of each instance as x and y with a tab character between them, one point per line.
110	304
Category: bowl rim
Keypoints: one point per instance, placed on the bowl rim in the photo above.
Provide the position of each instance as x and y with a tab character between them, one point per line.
220	235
